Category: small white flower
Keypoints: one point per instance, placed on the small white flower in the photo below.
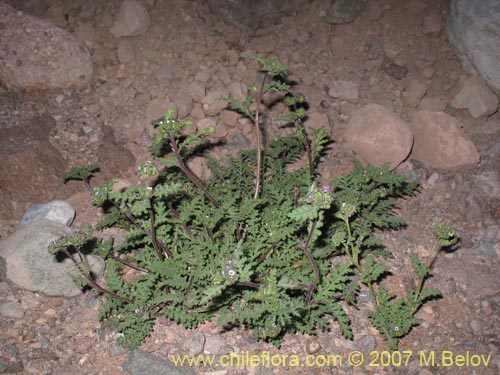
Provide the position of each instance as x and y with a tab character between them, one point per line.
231	273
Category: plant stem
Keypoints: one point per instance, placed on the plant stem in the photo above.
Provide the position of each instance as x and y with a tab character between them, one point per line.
315	283
307	145
154	240
188	172
258	139
430	260
128	264
89	278
353	254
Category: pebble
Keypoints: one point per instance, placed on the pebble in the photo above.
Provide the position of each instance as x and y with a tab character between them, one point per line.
344	90
396	71
367	344
476	325
313	346
194	344
11	310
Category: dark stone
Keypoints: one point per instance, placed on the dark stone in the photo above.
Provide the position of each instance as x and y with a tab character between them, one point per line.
396	71
143	363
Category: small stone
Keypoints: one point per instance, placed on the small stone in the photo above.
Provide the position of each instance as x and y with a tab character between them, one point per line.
213	104
240	141
126	51
476	97
215	345
157	108
229	117
114	349
143	363
164	72
199	167
132	19
206	123
233	56
238	90
422	252
433	178
195	343
373	10
344	90
433	24
476	325
83	345
414	92
11	310
428	72
204	76
313	346
197	90
396	71
50	312
367	344
432	104
58	211
184	105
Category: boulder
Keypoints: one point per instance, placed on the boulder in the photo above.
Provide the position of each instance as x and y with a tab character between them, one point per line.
378	136
35	54
30	265
473	30
132	19
440	143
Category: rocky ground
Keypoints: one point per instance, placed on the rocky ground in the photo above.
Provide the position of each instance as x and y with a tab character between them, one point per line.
394	54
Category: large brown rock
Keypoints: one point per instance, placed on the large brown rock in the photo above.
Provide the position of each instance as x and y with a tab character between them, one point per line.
440	143
35	54
30	169
378	136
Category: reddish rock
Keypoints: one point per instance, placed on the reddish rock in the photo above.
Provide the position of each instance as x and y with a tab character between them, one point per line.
35	54
132	19
31	167
378	136
440	143
414	92
433	24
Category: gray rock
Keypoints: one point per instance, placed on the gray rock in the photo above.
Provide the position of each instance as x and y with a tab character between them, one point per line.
30	265
344	11
345	90
239	141
473	30
58	211
440	143
378	136
212	103
11	310
143	363
194	344
476	97
132	19
244	13
36	54
367	344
